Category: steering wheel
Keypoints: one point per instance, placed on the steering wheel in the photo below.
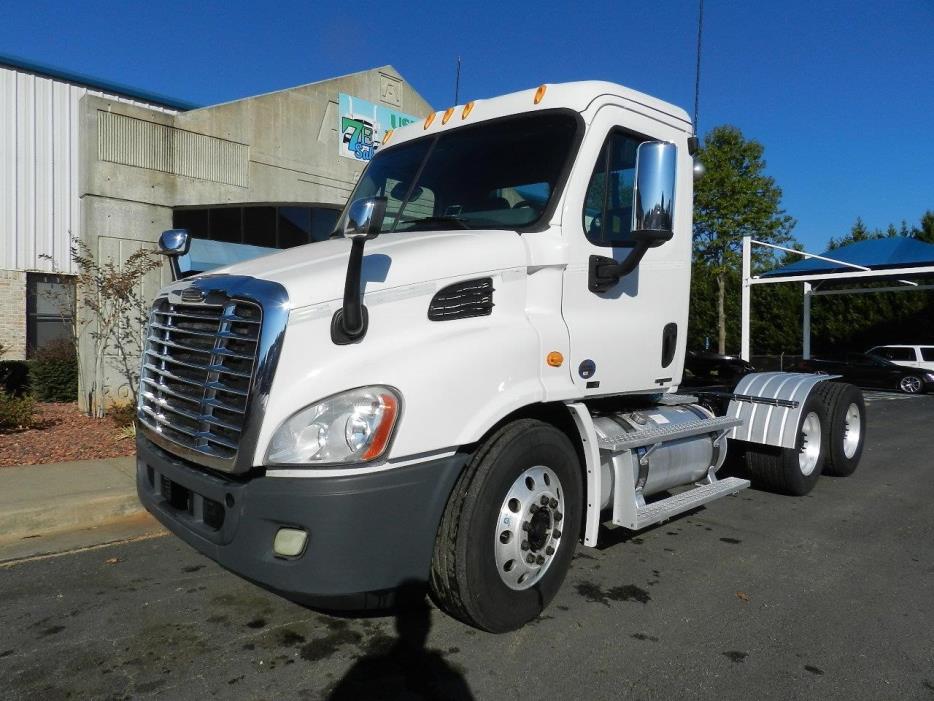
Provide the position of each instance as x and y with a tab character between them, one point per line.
525	203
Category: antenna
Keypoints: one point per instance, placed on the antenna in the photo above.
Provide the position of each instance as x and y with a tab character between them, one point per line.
700	30
457	82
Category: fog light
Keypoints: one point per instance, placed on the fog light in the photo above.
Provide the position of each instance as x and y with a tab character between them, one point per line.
290	542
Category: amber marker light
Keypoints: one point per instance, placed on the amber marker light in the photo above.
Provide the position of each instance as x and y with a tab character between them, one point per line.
428	120
555	359
447	115
387	136
468	108
540	93
384	430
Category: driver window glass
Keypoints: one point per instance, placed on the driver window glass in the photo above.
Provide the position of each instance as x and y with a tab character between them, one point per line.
607	215
927	354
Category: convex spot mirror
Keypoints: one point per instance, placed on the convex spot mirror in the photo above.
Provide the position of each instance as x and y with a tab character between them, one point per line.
364	218
654	193
174	242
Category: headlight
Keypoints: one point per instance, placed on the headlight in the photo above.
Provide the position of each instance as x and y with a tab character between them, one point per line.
353	426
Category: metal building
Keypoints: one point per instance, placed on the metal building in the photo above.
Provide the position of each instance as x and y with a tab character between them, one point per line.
112	167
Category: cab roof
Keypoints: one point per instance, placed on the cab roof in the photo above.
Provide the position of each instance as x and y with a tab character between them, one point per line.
577	96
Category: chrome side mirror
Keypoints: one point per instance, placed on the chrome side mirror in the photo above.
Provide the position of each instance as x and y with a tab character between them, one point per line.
654	193
174	242
362	221
364	218
653	208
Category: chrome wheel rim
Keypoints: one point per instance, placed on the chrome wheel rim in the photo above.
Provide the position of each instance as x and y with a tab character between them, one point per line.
810	443
852	430
528	532
910	384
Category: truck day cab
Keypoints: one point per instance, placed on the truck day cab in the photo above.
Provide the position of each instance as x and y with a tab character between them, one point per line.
473	378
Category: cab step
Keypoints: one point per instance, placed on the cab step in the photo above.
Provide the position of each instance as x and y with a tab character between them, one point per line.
665	509
637	439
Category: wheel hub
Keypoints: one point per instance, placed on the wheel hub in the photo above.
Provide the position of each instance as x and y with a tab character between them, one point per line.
853	431
528	532
539	525
810	443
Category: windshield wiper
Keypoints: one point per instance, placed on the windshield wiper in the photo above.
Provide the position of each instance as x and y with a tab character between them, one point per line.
448	219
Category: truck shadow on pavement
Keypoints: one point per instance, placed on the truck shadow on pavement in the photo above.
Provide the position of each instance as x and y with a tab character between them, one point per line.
406	669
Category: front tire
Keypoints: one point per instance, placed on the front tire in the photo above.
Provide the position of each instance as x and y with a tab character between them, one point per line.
510	528
796	470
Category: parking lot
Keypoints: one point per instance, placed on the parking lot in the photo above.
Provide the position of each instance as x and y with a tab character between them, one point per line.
755	596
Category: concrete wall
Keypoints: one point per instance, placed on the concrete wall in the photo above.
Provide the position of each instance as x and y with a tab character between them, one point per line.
137	164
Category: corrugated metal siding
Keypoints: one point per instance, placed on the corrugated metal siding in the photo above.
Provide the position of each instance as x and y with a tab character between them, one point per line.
39	204
137	142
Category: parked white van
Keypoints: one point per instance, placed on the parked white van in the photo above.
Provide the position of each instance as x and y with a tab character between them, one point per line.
908	356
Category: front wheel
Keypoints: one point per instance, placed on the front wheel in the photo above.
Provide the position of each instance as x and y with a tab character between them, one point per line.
510	528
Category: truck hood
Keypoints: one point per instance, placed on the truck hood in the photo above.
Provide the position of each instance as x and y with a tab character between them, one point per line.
315	273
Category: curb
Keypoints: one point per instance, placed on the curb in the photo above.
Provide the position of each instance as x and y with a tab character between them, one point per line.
38	500
68	514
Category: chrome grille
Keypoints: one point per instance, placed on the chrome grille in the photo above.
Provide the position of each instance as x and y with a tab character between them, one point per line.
196	373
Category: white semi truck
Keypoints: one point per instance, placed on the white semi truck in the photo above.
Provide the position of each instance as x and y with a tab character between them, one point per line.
473	377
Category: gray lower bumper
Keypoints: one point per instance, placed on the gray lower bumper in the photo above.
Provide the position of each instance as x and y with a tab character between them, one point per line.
366	533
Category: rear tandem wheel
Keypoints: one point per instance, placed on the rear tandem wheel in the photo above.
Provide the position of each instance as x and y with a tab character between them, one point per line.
795	470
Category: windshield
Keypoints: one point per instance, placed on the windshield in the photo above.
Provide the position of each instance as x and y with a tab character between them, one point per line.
496	175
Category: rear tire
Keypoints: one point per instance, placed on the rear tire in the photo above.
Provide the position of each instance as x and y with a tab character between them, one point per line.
471	575
796	470
846	427
911	384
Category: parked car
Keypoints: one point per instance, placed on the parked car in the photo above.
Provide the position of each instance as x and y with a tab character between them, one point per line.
907	356
872	371
703	369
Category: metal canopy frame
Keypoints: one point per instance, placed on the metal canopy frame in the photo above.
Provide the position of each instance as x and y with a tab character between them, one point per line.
811	285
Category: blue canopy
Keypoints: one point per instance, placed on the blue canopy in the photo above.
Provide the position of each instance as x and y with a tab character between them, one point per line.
877	254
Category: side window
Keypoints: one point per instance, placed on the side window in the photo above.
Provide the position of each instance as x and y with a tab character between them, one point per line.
898	354
927	354
607	215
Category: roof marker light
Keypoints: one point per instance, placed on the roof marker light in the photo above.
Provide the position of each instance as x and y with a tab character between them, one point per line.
387	136
447	115
540	93
429	119
468	108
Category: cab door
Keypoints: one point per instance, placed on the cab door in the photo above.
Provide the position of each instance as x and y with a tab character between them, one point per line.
631	337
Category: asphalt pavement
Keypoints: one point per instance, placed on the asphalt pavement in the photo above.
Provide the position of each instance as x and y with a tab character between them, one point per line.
830	596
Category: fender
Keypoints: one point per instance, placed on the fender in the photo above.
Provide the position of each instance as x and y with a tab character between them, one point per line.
772	424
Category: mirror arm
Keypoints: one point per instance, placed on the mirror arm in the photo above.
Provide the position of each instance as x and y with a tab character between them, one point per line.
606	272
348	325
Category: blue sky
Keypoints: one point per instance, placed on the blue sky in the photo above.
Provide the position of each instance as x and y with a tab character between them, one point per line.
840	93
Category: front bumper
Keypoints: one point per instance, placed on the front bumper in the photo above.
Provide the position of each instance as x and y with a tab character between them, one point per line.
367	533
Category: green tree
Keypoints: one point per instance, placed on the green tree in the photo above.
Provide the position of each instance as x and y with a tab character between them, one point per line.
735	198
926	232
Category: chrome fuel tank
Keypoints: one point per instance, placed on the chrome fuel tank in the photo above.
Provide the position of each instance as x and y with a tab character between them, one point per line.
671	464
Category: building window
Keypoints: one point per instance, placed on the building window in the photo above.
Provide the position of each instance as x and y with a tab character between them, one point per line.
272	226
50	310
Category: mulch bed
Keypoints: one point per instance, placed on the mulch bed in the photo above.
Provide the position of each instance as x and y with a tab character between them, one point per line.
63	434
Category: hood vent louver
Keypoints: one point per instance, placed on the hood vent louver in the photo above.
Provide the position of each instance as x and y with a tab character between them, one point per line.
462	300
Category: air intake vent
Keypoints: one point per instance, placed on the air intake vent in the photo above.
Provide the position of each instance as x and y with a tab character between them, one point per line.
462	300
